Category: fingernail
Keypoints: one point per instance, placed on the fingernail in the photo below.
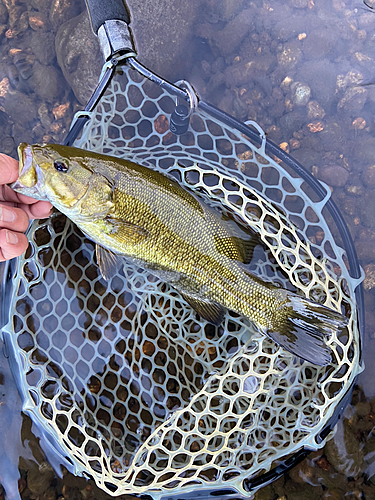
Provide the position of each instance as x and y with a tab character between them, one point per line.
7	215
11	238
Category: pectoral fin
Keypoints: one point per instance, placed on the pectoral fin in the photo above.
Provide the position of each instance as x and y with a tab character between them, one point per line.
109	263
210	311
125	229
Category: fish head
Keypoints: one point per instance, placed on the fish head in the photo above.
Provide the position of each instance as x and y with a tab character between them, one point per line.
46	174
64	176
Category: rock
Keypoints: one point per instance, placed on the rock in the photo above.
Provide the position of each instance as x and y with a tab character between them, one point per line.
38	21
365	245
314	111
40	5
227	9
7	145
368	176
3	13
363	152
229	38
343	451
163	33
289	56
63	10
352	78
300	93
39	478
44	116
334	132
353	100
321	76
47	82
20	107
334	176
23	64
367	204
290	122
319	43
285	31
355	189
240	73
79	56
364	408
42	43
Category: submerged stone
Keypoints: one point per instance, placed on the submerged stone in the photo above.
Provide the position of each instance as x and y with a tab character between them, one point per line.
79	56
300	93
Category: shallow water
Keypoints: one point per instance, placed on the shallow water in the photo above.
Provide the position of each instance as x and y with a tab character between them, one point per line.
303	70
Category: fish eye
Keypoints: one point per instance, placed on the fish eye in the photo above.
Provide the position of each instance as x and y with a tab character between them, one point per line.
60	166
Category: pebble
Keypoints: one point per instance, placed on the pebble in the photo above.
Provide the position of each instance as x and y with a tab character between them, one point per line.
60	110
38	21
359	123
356	190
300	93
44	116
335	176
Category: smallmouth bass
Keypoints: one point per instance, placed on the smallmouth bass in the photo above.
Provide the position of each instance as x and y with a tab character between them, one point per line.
134	213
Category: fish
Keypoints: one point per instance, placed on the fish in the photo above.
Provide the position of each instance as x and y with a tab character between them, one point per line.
138	215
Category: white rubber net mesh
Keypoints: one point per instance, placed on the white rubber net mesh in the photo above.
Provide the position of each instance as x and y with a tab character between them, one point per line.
139	392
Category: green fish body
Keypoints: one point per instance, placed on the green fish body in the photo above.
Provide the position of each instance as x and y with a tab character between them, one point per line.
136	213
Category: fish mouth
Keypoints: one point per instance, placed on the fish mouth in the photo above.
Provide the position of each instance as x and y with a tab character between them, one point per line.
25	156
28	182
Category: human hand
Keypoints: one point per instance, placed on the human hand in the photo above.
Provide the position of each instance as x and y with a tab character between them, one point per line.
15	211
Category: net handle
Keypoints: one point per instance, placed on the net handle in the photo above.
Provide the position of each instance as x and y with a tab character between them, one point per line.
101	11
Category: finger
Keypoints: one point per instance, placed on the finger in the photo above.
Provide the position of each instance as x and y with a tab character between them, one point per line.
8	169
7	194
39	210
12	244
13	218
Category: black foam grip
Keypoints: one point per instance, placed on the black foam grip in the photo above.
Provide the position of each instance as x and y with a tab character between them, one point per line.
105	10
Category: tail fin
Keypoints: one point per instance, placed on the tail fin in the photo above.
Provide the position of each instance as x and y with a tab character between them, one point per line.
303	325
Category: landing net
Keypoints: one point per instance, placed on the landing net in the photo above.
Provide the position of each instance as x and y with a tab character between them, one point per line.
132	387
